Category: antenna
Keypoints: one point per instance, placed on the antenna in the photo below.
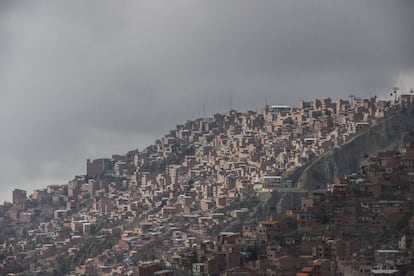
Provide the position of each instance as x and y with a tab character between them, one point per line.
219	104
265	101
204	110
230	100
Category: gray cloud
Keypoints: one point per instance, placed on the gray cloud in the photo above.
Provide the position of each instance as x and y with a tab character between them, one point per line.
87	79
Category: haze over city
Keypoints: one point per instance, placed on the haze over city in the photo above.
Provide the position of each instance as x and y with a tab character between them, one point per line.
89	79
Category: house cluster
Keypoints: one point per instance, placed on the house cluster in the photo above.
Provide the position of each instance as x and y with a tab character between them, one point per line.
155	211
361	225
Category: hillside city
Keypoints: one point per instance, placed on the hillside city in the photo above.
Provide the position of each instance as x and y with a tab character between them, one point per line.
196	202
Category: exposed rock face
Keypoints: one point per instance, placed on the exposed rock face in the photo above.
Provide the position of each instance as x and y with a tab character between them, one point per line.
391	133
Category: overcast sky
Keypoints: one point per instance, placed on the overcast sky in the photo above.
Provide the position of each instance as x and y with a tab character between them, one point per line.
87	79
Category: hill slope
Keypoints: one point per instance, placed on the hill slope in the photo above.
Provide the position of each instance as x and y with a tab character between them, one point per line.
392	133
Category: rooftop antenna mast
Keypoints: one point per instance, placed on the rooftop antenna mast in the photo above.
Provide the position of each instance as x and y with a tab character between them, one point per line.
230	100
219	104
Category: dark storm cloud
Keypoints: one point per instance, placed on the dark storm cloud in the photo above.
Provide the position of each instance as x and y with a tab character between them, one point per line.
86	79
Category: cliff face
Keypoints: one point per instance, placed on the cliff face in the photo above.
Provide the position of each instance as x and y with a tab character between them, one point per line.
391	133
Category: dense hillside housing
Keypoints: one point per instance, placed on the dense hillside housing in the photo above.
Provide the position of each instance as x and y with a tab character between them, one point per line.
182	205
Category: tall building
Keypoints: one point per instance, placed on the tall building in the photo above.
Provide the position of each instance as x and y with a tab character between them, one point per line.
19	197
97	166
